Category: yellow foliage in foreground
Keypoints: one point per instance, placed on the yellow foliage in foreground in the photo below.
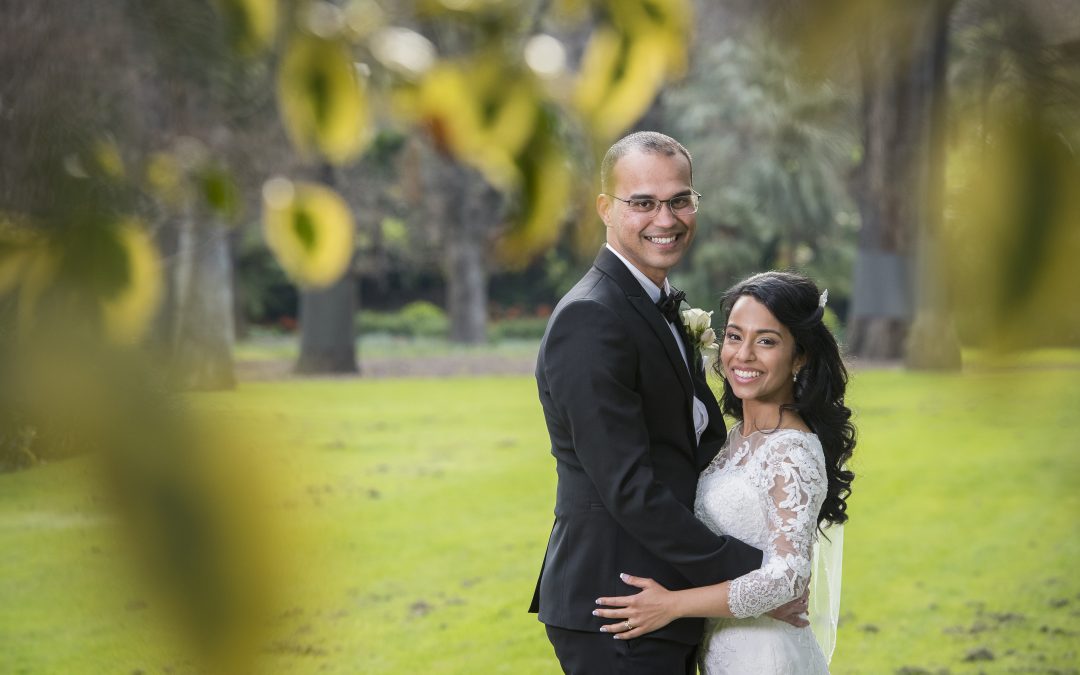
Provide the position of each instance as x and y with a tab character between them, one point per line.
309	228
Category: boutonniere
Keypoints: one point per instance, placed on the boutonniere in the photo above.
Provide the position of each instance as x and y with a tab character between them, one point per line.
698	324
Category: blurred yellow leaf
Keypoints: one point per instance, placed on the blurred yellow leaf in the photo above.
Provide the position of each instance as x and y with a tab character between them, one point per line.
436	7
442	100
513	117
323	102
627	60
543	200
37	273
1013	232
15	239
250	24
669	22
310	230
165	177
571	10
480	111
129	312
602	55
27	266
107	155
11	262
620	77
111	271
220	191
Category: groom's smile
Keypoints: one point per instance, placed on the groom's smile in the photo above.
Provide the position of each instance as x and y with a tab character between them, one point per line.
664	240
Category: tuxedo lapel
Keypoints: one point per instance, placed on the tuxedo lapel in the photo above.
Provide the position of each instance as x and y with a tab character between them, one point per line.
610	265
659	325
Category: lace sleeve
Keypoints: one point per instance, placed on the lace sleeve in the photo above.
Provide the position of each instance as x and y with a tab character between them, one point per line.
792	469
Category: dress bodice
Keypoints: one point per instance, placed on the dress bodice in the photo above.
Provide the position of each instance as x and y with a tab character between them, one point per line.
766	489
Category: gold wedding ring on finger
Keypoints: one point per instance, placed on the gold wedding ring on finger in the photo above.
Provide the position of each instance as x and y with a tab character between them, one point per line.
628	626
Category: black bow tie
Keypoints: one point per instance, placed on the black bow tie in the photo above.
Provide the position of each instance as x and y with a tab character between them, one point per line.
669	305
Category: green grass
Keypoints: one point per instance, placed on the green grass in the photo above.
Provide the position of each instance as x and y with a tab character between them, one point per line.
1053	357
420	509
964	529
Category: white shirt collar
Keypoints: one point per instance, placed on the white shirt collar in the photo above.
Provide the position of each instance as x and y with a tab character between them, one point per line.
651	288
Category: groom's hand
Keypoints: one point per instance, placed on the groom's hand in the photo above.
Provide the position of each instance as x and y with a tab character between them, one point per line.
794	612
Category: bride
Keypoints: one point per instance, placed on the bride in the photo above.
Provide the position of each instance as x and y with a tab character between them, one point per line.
778	478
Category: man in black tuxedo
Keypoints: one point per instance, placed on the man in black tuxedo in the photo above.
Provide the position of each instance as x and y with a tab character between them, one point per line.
632	424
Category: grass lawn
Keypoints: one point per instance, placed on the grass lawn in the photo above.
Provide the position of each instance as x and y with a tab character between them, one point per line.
420	507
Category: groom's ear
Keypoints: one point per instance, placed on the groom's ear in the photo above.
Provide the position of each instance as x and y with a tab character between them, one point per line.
603	208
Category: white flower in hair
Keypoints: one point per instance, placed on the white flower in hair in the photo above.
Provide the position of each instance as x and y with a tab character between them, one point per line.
824	298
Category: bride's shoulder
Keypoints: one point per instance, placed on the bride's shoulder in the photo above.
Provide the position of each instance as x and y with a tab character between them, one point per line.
793	421
796	432
793	442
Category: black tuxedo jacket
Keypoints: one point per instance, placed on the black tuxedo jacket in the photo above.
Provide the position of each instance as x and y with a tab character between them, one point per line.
617	399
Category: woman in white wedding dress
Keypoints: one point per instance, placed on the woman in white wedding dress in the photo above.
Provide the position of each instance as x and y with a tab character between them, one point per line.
779	476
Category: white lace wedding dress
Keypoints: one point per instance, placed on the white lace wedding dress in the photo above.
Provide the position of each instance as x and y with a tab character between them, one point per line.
765	489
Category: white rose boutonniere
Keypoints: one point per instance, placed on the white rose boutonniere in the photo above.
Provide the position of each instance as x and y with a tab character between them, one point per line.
698	324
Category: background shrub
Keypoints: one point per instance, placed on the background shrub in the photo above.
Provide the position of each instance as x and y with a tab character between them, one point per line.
416	319
521	328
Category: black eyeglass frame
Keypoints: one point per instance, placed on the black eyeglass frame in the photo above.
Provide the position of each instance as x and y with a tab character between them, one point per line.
695	199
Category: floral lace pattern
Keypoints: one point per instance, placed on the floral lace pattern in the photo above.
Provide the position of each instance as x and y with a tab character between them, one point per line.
766	489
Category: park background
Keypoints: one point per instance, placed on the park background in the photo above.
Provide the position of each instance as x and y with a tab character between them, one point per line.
273	275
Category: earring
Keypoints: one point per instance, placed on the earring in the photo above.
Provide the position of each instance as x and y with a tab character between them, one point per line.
795	376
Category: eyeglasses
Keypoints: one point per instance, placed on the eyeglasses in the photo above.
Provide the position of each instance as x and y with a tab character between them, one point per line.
680	205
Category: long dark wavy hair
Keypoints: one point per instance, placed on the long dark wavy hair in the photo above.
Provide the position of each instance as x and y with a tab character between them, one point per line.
819	388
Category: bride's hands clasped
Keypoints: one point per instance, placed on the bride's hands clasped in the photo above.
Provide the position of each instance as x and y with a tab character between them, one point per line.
640	613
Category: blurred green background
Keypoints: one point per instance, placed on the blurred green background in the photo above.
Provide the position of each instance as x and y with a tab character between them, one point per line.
273	275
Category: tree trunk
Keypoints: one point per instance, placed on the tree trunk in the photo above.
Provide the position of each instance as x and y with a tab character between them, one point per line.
241	327
327	331
327	319
897	184
203	324
466	240
933	343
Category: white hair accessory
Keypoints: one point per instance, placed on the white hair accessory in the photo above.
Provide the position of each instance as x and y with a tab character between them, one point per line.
824	298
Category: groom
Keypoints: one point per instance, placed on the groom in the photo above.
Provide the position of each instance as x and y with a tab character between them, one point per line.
632	423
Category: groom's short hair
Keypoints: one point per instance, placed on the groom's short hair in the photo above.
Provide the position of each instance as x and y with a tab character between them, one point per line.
648	142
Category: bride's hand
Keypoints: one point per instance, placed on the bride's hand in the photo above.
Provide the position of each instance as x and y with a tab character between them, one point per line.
638	614
794	612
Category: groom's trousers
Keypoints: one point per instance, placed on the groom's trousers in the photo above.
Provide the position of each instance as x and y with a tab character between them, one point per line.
588	653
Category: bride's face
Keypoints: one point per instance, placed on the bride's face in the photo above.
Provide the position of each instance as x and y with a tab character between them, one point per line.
758	354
